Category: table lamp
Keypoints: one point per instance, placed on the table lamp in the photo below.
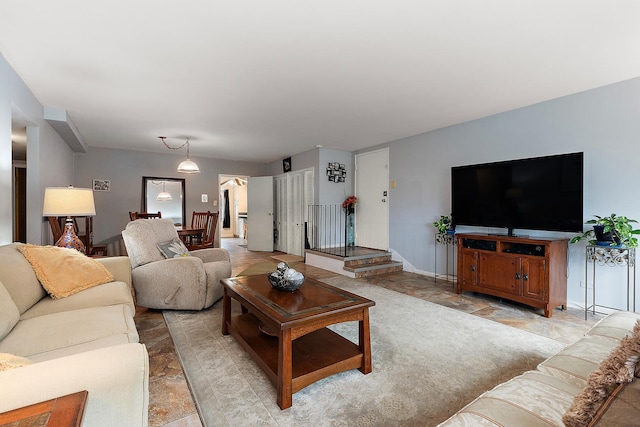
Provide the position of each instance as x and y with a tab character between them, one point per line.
69	202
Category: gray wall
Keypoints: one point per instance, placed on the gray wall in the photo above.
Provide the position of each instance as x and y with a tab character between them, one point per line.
331	192
125	169
325	192
603	123
305	160
308	159
49	158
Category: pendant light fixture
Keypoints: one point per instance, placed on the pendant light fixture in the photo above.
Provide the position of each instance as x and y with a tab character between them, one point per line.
187	166
164	196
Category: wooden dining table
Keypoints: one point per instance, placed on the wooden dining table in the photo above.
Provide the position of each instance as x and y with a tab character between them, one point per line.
190	235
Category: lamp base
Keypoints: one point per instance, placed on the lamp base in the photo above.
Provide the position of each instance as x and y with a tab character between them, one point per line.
69	238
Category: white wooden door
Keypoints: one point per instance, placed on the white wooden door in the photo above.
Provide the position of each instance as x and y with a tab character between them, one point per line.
260	213
281	214
294	193
372	190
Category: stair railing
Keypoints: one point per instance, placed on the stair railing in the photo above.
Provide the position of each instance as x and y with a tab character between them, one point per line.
327	229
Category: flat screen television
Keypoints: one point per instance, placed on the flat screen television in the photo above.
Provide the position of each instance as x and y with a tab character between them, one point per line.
542	193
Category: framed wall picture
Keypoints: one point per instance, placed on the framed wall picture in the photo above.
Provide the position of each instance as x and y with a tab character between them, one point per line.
101	185
336	172
286	164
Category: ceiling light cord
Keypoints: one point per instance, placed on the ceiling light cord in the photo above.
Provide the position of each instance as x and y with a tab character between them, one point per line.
187	166
188	158
162	138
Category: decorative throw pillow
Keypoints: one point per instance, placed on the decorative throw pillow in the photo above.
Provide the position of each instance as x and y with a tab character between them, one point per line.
618	368
174	248
64	272
10	361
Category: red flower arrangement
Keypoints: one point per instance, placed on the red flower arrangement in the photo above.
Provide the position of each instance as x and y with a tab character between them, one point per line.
350	203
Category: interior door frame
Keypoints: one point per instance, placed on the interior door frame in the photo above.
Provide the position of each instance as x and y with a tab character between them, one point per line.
233	230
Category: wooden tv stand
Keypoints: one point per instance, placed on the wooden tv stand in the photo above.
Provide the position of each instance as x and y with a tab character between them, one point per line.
531	271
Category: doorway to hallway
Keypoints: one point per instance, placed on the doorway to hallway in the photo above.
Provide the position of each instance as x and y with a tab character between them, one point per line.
232	202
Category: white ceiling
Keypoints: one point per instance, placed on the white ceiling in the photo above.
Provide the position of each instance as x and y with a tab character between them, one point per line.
262	80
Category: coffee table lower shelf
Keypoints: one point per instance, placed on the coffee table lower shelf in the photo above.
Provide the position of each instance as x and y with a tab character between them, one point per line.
316	355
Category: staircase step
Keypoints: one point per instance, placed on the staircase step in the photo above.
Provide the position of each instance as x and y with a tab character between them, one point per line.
368	260
375	268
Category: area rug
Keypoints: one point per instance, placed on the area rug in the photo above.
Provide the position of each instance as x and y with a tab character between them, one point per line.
288	258
428	362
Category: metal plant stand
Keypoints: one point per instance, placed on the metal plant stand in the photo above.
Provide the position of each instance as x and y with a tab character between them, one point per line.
449	241
611	257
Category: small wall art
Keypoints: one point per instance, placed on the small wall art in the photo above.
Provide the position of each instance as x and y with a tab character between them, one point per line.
336	172
101	185
286	164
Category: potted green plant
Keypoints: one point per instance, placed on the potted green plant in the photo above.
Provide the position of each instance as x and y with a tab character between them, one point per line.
444	225
610	230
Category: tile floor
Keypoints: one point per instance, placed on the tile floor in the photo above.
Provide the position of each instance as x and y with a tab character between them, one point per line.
170	402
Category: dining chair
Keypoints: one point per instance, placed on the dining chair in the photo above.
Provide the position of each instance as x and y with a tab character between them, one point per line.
199	219
144	215
209	233
56	227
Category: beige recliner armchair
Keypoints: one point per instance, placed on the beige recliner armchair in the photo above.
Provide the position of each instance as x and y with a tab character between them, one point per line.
180	283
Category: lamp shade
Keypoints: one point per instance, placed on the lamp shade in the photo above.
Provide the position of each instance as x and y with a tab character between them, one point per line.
164	196
188	166
68	201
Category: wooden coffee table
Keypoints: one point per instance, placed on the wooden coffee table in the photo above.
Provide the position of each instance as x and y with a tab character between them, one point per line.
286	334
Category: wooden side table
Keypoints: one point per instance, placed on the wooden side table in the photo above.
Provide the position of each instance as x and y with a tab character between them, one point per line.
65	411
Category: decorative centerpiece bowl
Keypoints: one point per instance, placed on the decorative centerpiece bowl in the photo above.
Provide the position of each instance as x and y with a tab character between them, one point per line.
285	278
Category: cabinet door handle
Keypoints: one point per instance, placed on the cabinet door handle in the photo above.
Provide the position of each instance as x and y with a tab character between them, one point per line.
525	277
517	276
473	268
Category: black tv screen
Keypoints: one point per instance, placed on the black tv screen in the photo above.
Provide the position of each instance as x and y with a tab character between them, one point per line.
542	193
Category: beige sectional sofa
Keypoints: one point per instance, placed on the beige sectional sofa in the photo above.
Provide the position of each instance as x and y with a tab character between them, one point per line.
84	341
543	396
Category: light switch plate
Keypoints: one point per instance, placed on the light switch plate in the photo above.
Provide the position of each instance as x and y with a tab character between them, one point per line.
205	198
